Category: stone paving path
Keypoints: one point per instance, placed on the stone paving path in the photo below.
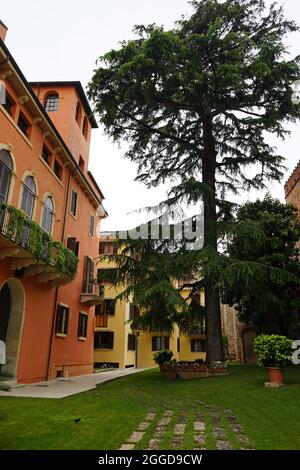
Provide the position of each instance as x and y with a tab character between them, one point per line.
61	388
209	428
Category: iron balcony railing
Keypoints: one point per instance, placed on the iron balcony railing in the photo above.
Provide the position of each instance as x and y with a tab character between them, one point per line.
15	226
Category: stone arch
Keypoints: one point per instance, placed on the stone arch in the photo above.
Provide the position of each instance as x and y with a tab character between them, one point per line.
16	306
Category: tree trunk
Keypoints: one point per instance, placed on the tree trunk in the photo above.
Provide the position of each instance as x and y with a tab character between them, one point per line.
212	299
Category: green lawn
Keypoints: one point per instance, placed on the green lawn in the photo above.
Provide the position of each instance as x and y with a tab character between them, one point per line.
270	417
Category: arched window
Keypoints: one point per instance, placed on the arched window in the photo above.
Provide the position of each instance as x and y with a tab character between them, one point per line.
48	211
28	197
78	115
85	127
51	102
6	168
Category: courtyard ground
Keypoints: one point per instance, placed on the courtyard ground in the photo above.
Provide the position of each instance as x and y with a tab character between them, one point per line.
144	411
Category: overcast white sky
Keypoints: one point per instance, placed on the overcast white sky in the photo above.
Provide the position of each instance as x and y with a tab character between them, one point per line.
61	40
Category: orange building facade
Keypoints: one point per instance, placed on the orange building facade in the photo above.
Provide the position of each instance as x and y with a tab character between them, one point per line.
50	210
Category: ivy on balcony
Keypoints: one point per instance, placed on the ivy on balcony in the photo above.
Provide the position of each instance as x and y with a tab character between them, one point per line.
15	226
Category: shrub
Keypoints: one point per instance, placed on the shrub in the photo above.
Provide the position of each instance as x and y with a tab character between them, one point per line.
162	356
273	350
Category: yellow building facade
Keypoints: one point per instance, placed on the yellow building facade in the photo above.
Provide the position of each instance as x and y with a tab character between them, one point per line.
117	345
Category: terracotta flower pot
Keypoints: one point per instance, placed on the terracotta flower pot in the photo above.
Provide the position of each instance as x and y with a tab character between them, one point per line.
276	375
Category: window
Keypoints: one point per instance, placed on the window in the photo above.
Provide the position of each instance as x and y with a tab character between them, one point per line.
88	281
73	245
178	344
108	248
23	124
108	307
28	197
57	169
82	325
48	211
92	224
62	320
9	104
101	318
78	114
85	127
131	345
51	102
81	163
134	311
46	155
74	199
159	343
104	340
6	168
198	345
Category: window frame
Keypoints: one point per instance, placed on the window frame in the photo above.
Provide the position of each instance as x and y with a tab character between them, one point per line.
51	102
33	195
61	330
25	130
202	349
74	214
158	339
105	346
131	342
92	232
50	213
57	169
6	172
81	316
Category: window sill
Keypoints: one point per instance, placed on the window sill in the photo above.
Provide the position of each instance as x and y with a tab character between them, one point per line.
103	349
60	335
73	216
82	338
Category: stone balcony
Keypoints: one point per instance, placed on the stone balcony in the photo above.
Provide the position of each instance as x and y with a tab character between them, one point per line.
32	250
95	296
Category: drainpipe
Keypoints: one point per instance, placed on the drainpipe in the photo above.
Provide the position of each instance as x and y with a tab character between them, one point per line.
57	288
137	350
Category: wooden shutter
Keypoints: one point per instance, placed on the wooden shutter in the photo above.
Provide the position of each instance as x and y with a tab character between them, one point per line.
89	267
76	249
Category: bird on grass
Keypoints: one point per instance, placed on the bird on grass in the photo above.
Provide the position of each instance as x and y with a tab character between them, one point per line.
77	420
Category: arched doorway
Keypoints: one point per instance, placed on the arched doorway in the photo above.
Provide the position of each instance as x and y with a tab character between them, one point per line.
248	343
11	323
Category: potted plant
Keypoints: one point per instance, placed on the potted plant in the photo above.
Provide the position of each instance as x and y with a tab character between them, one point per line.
161	357
273	352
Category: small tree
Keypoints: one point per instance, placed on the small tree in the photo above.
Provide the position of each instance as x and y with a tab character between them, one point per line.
194	103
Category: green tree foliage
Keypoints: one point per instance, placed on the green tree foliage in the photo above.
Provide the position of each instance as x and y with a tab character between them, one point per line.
273	351
263	275
195	104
